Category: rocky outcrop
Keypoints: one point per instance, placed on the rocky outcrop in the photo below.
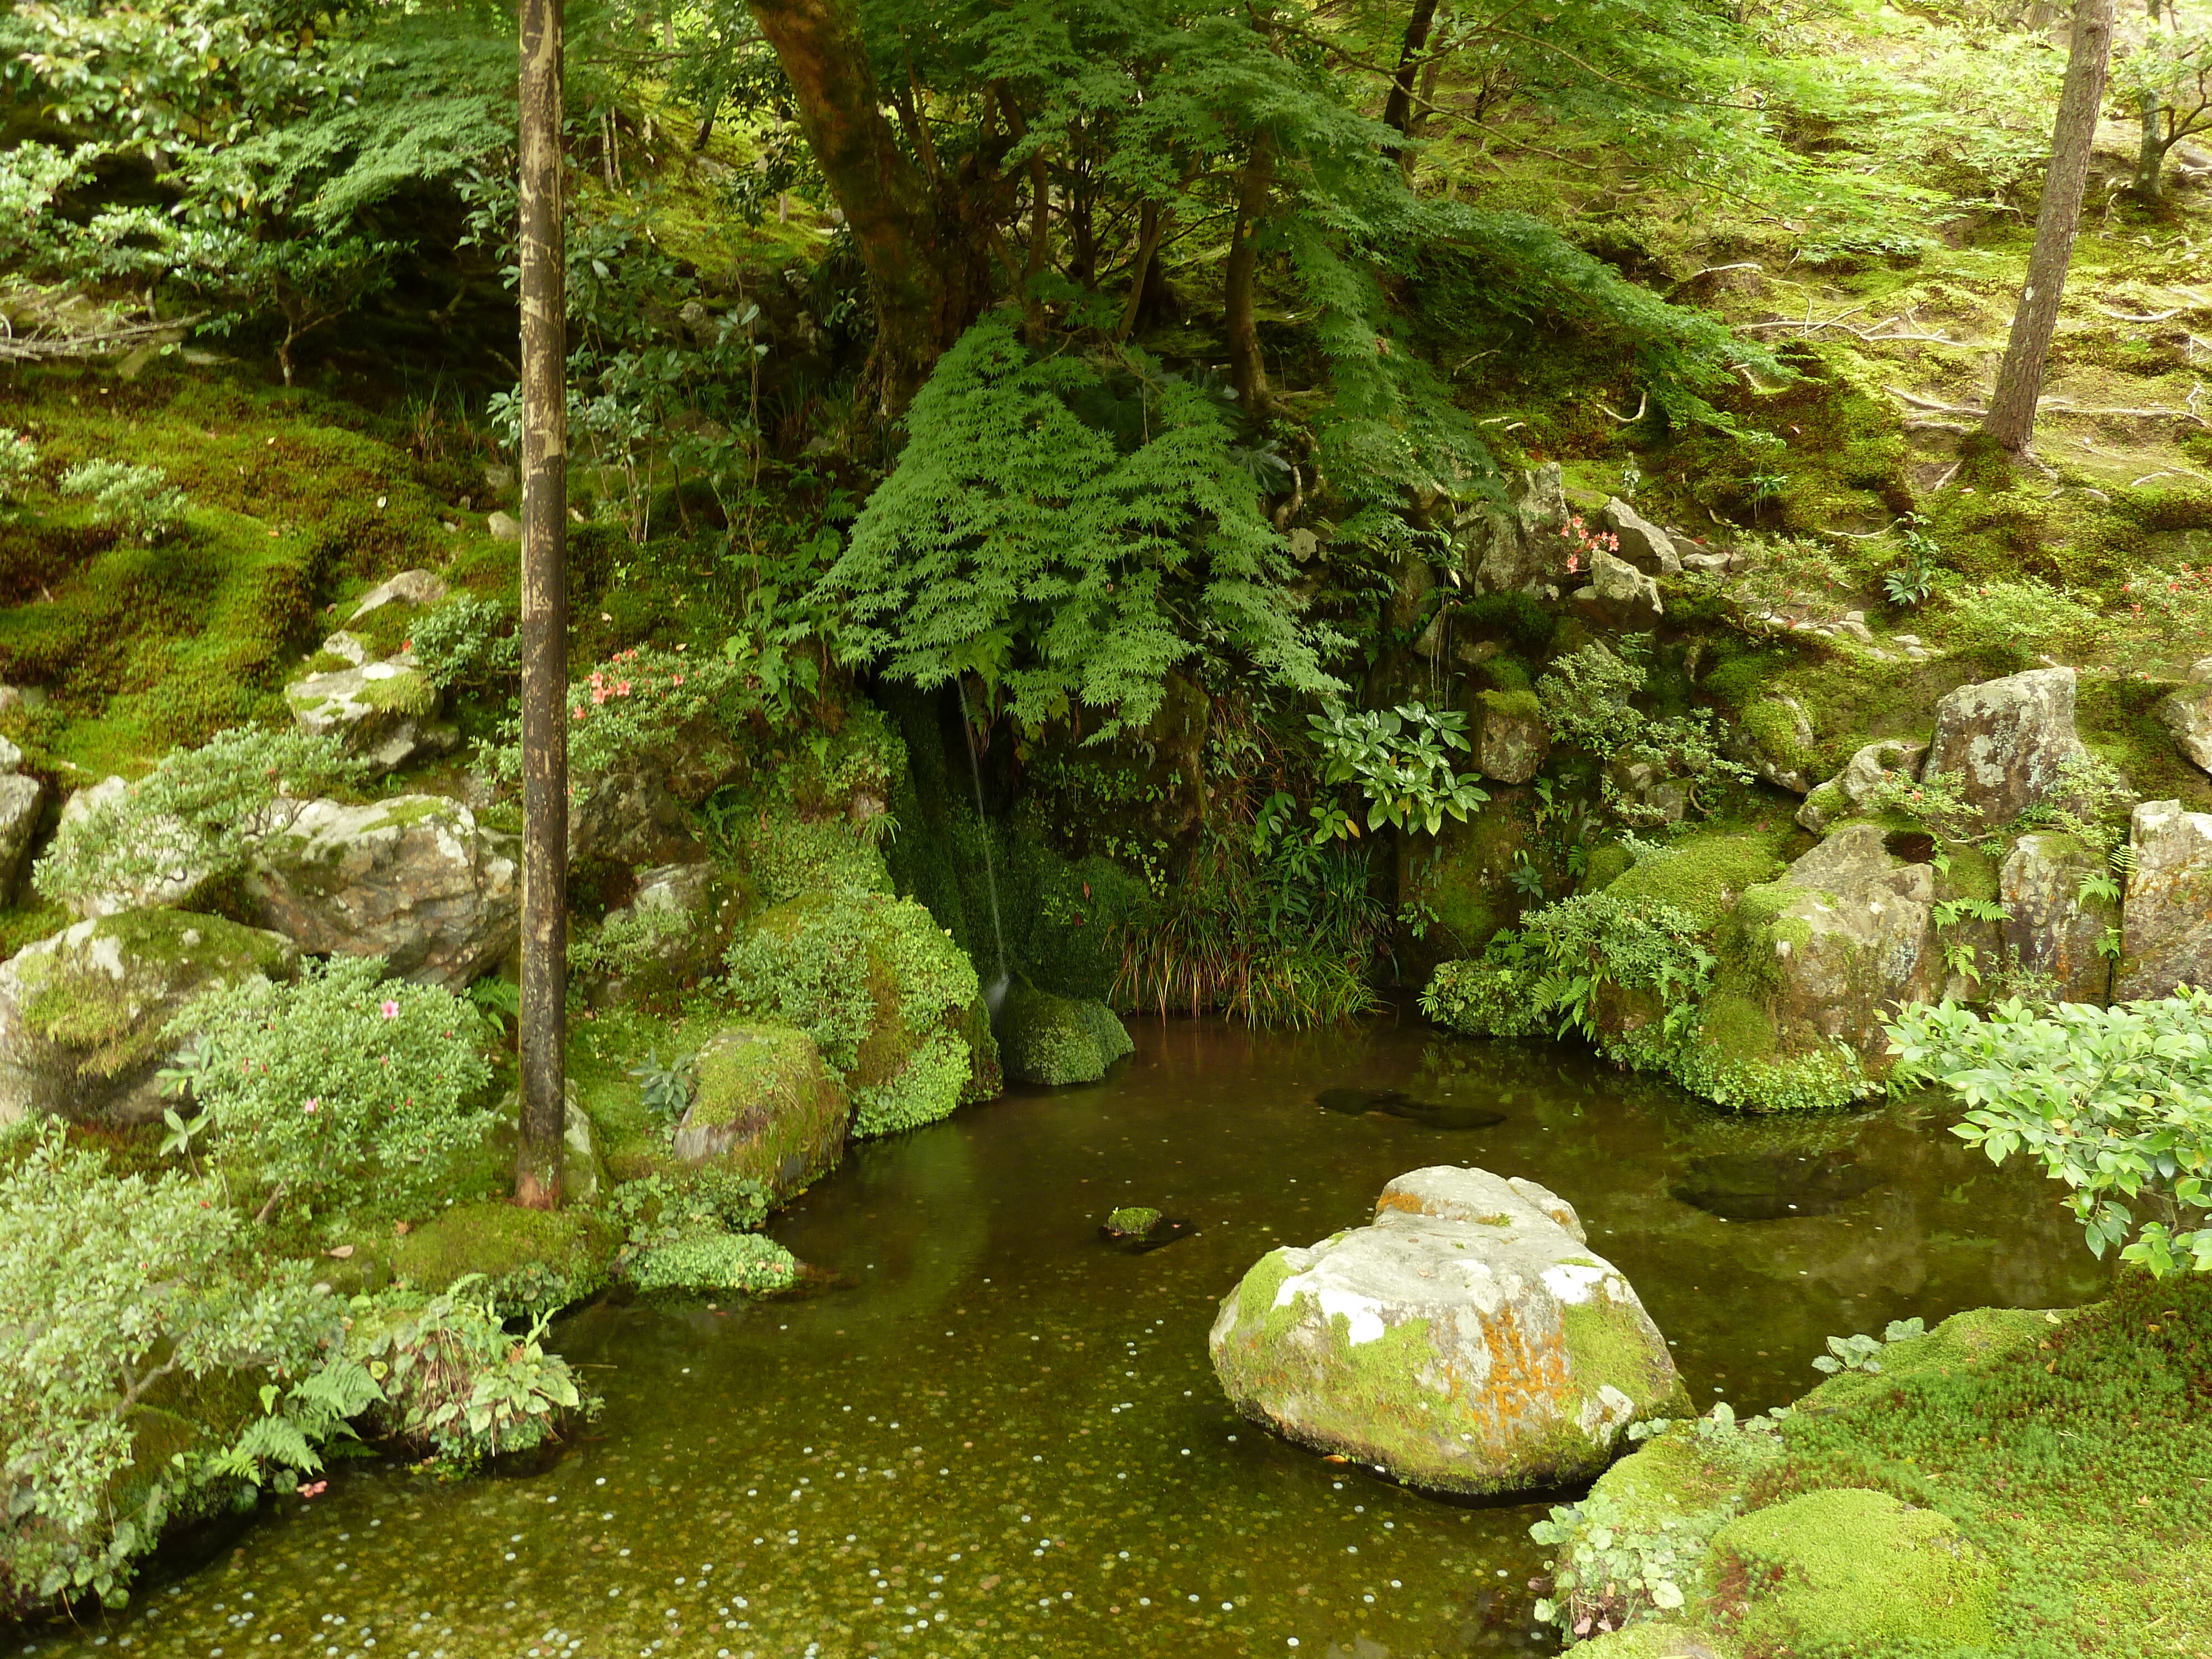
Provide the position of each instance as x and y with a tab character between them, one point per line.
1775	739
1516	549
21	798
187	868
2004	742
1511	742
384	711
1643	544
765	1107
83	1015
1468	1340
2187	716
415	879
1853	935
2051	929
1651	794
1619	597
2168	926
673	932
1053	1040
1846	795
419	588
636	815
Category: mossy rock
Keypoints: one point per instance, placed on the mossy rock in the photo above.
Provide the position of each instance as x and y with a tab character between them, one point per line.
1054	1040
535	1261
1852	1568
1702	875
84	1016
766	1107
1465	876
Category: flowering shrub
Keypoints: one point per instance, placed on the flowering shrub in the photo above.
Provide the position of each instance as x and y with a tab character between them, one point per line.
1583	543
343	1085
637	705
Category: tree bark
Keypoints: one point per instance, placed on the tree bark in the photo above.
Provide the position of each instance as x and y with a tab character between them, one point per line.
1151	225
543	1025
1398	108
2011	419
925	286
1247	372
2150	158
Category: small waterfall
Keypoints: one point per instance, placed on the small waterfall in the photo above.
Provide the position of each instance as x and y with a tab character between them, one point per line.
995	993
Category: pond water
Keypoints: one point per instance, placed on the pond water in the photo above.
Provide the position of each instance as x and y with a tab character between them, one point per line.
1000	1435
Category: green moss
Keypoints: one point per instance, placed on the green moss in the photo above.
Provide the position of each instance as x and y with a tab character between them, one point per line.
534	1259
1608	1345
1517	704
1605	866
788	859
924	1089
1703	875
1135	1219
1856	1570
748	1063
408	692
1054	1039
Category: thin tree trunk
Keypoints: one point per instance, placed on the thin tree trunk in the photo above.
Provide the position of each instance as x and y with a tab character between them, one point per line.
1398	108
1245	370
1151	224
2039	15
2150	158
2011	419
542	1027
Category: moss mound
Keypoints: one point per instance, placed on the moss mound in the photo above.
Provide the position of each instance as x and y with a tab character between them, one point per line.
1053	1040
535	1261
766	1108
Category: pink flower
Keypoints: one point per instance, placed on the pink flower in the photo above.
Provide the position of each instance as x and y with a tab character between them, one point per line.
312	1105
623	688
578	711
679	679
390	1009
599	696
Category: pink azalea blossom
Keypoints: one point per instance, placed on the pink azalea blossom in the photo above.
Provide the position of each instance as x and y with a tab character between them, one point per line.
312	1104
390	1009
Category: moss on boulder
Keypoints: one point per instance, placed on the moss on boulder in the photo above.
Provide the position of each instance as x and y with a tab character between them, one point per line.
1054	1039
533	1260
766	1107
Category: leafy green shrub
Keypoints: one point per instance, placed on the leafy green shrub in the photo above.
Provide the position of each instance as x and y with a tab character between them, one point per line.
1586	701
19	464
343	1085
2116	1102
196	818
122	1303
1479	998
467	641
789	857
1401	759
141	499
640	705
456	1383
1863	1352
745	1262
690	1234
1596	942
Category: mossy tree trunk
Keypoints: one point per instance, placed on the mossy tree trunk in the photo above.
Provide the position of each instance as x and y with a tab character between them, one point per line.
1247	371
2011	419
544	616
1398	109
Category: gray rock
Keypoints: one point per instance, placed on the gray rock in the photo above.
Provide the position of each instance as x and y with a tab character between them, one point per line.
187	854
629	817
2187	715
1643	544
2200	669
1510	744
1773	740
504	527
2005	740
583	1172
1652	795
350	648
1854	937
408	587
385	712
414	879
83	1014
34	697
1710	564
82	802
1620	595
1517	548
1854	626
2168	924
1466	1340
2053	929
21	799
673	931
1845	795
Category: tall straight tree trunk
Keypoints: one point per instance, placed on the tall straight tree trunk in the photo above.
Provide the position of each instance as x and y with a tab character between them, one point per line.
1247	372
544	616
1398	109
2150	157
2011	419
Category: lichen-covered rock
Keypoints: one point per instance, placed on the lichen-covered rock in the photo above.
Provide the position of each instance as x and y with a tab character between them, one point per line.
1466	1340
1643	542
629	817
766	1107
1846	795
2052	928
1653	793
21	799
187	876
415	879
2187	714
83	1014
1620	595
419	588
1775	739
1517	548
1052	1039
673	932
1854	935
383	711
2167	930
2005	741
1511	742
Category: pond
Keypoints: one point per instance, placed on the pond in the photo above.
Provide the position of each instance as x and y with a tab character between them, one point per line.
1000	1434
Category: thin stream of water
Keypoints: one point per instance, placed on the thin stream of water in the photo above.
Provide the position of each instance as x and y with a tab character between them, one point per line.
995	992
1001	1436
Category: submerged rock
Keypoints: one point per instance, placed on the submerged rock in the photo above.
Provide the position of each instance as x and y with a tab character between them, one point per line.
1846	795
83	1014
1772	1186
766	1107
2005	740
1395	1103
415	879
1138	1227
1466	1340
2168	928
1052	1039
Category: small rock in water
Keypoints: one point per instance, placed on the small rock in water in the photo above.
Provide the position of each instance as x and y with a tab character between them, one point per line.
1143	1228
1772	1186
1395	1103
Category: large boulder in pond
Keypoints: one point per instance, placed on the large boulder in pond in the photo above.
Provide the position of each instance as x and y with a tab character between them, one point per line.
416	879
1466	1340
1049	1039
2006	741
2167	931
765	1106
84	1014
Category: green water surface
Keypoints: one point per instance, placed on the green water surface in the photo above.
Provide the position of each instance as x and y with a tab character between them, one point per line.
999	1436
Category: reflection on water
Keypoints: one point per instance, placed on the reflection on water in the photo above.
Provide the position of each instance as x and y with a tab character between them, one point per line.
1396	1103
1000	1435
